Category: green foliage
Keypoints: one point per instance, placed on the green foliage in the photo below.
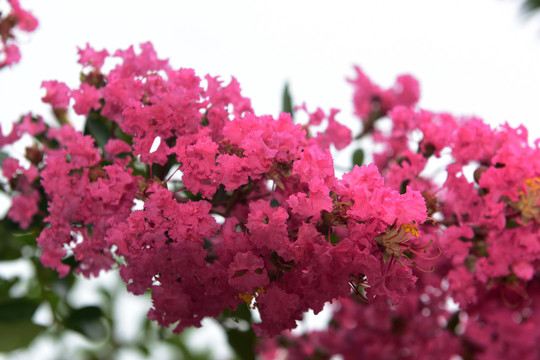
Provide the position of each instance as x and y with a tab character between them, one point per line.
531	5
102	129
287	103
3	156
358	157
87	321
16	327
14	240
241	340
18	334
15	309
99	127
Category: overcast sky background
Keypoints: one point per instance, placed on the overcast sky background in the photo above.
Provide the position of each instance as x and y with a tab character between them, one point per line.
471	57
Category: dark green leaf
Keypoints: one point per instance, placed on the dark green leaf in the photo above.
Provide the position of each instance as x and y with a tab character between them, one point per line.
287	105
13	239
87	321
243	343
242	312
512	223
98	127
358	157
5	286
18	334
531	5
334	239
403	186
274	203
16	309
3	156
453	322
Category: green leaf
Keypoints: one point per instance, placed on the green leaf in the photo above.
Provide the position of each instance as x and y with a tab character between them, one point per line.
13	239
98	127
5	287
334	239
531	5
242	312
512	223
274	203
88	322
16	309
16	327
358	157
403	186
3	157
242	342
287	105
18	334
453	322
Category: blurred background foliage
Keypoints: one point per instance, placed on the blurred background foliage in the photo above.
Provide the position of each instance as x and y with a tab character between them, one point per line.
531	6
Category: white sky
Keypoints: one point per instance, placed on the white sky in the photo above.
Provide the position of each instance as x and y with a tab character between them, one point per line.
472	57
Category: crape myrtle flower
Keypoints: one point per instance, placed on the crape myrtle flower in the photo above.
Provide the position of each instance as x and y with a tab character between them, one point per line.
17	18
291	235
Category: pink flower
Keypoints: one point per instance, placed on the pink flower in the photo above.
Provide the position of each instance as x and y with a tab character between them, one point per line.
197	156
247	273
10	167
523	270
32	125
116	146
12	55
20	18
89	57
268	228
57	94
86	98
23	208
406	91
310	205
370	100
278	309
26	21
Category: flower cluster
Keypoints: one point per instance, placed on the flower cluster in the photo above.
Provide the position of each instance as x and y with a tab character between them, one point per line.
485	218
20	19
208	205
420	327
236	207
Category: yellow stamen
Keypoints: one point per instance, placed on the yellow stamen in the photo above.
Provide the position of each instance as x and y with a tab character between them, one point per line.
248	297
411	228
529	201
